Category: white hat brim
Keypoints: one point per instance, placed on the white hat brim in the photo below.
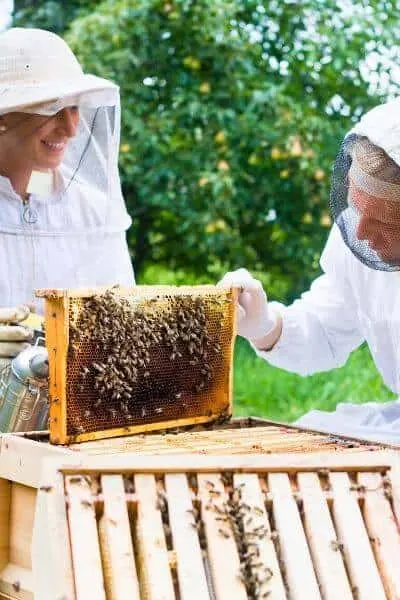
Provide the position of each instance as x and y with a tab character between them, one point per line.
89	89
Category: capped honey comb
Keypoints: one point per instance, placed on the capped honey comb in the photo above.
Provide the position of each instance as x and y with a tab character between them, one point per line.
126	360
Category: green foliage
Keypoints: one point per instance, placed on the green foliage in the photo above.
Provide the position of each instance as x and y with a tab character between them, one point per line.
263	390
158	274
225	123
229	123
54	15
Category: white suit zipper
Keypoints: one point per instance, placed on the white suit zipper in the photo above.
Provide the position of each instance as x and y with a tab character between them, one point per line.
30	216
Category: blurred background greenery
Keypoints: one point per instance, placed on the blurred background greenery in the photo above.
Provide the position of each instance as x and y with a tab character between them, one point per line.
232	113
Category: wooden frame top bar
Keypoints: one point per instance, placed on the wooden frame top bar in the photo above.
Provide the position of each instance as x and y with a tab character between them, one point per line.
183	463
54	293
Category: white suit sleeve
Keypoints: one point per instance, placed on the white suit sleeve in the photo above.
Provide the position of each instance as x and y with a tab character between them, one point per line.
320	329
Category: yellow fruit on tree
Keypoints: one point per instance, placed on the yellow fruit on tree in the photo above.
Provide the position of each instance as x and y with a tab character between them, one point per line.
276	154
307	218
214	226
326	220
220	137
205	87
319	175
223	165
192	63
220	224
296	149
253	159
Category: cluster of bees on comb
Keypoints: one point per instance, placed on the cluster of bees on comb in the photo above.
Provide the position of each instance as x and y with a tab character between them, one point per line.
147	352
239	521
254	573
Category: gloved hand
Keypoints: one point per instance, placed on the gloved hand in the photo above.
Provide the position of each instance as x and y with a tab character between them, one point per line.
14	337
255	318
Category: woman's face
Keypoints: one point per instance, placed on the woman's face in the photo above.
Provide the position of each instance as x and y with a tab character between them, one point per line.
378	223
39	141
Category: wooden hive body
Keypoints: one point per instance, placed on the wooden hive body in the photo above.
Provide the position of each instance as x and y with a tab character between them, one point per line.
298	527
22	457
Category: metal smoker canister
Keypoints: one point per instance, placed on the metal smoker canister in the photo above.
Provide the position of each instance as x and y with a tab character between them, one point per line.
23	392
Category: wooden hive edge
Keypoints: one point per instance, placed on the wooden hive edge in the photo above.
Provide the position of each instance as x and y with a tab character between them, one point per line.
56	293
74	462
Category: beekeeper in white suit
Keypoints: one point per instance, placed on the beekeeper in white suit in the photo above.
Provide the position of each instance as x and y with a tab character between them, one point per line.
63	220
357	297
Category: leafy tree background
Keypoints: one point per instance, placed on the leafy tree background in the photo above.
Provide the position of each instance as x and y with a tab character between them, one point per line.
233	112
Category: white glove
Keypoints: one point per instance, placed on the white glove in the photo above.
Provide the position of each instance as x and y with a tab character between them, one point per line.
255	319
13	337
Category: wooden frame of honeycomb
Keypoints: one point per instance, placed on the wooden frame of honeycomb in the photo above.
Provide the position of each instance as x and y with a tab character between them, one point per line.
130	360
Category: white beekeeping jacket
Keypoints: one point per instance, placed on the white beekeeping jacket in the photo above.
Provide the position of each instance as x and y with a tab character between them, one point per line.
66	246
346	305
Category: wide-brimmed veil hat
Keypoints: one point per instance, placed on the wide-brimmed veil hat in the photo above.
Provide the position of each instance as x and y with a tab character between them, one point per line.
38	67
368	163
40	75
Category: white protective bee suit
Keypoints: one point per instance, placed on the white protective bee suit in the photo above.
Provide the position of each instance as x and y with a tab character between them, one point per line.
348	304
72	233
67	244
357	298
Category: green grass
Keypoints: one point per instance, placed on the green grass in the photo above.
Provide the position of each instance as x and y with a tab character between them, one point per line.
265	391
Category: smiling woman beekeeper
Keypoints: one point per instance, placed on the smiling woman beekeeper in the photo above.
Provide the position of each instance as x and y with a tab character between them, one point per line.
358	296
62	216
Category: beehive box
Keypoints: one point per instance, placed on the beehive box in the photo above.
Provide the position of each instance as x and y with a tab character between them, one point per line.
282	527
22	457
125	360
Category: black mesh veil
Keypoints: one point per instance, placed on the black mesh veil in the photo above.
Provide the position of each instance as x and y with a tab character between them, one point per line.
365	202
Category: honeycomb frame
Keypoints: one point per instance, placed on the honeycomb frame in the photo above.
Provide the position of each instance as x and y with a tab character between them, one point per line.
63	308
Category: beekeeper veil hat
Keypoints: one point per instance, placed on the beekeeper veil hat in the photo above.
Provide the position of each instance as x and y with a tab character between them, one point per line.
365	193
39	74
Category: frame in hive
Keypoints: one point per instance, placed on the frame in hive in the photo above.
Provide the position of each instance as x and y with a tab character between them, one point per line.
129	360
304	527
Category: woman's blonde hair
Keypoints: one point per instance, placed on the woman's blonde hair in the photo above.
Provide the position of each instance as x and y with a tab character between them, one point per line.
375	162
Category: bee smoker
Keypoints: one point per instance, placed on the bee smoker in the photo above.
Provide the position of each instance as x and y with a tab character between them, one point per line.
23	391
